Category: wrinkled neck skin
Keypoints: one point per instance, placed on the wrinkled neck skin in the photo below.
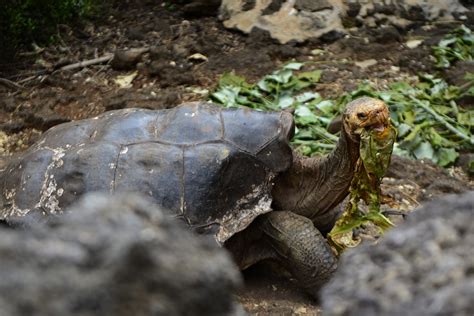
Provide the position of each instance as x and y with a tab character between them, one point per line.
312	187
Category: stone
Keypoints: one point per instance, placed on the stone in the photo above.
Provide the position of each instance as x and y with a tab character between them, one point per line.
422	267
300	20
112	255
126	59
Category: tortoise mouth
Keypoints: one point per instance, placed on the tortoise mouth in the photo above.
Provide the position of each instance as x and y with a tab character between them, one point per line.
378	122
377	126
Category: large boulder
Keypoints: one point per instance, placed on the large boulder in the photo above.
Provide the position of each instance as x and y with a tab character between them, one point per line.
299	20
112	256
423	267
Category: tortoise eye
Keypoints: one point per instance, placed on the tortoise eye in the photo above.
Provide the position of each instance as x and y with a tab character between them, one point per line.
362	115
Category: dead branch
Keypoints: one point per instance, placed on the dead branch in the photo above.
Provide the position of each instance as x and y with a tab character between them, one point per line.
10	84
89	62
27	79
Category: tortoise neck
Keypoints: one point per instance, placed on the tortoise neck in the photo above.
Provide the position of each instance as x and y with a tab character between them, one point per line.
312	187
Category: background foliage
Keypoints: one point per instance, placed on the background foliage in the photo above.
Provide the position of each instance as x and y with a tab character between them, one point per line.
430	123
25	21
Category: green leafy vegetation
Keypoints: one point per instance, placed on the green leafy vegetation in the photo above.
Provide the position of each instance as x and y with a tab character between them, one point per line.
25	21
281	90
430	123
375	153
457	45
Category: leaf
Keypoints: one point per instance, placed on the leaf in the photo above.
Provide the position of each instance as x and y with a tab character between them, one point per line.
285	102
310	76
198	57
446	42
375	152
282	76
424	151
231	79
305	116
469	76
379	220
227	96
126	80
325	106
307	96
439	141
385	96
466	118
403	129
264	85
397	150
446	156
457	45
293	66
471	167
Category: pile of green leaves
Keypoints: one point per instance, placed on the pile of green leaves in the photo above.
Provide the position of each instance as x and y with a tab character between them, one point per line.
430	124
457	45
284	90
25	21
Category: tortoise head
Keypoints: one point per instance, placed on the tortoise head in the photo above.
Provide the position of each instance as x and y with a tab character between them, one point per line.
365	113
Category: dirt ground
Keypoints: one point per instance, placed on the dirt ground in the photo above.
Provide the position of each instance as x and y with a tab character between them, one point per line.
170	72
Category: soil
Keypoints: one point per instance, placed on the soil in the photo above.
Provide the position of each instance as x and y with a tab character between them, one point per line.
185	55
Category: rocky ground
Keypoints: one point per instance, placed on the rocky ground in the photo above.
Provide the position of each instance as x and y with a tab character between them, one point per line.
179	57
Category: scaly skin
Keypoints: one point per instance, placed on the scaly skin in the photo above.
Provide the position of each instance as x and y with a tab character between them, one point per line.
304	200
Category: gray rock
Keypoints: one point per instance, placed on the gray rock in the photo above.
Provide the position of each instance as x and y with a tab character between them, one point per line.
292	21
299	20
312	5
126	59
113	256
423	267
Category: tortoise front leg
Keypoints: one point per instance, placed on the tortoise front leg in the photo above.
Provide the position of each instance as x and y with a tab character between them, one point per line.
301	248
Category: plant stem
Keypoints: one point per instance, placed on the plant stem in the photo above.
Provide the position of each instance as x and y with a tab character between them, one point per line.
440	119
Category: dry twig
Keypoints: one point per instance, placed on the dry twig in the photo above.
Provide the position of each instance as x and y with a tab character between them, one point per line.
10	84
89	62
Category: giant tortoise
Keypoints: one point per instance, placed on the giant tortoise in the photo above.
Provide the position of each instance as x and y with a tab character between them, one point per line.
226	172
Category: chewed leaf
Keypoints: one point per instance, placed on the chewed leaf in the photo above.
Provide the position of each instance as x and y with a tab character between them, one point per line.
379	220
348	226
375	152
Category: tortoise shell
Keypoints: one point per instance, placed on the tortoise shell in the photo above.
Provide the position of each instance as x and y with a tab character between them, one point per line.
213	167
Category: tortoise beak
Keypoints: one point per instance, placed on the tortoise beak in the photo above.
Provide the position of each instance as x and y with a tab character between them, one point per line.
378	120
